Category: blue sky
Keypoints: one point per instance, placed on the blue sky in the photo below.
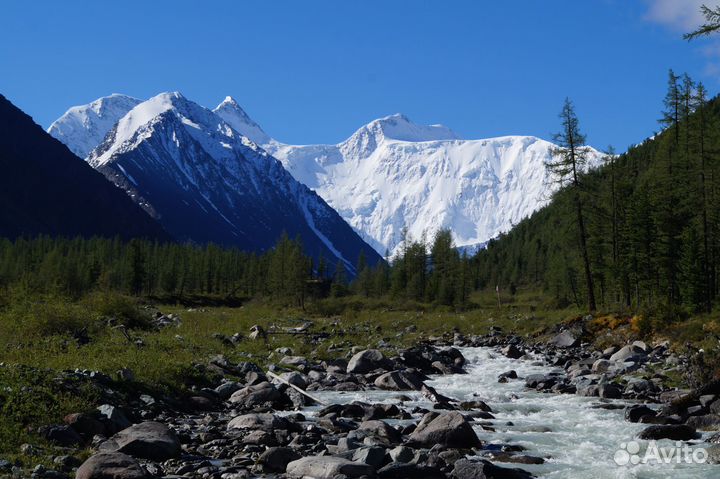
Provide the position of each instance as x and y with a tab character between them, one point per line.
314	71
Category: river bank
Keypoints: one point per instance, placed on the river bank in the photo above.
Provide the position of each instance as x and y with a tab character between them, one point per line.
553	409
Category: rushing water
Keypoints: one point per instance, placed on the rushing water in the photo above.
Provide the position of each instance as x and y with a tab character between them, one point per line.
577	440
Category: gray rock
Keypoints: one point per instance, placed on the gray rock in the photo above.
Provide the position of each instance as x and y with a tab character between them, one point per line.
467	469
708	422
382	430
327	467
227	389
512	352
566	339
399	381
374	456
609	391
402	454
148	440
296	379
449	429
367	361
295	361
257	395
115	416
635	413
627	353
111	465
713	454
276	459
675	432
263	421
601	366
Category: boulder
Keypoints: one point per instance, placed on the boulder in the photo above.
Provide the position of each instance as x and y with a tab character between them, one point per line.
115	416
400	381
148	440
111	465
257	395
512	352
566	339
85	424
467	469
609	391
327	467
675	432
402	454
708	422
601	366
636	413
367	361
296	379
627	353
263	421
373	456
276	459
64	436
382	430
450	429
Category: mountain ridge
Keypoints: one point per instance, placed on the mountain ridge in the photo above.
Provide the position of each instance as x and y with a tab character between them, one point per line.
205	182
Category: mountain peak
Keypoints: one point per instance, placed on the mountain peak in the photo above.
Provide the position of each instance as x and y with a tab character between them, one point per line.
139	123
229	101
230	111
83	127
392	128
401	128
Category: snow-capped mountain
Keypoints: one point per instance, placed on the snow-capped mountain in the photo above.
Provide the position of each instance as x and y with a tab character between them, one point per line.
393	173
84	127
390	174
205	182
235	116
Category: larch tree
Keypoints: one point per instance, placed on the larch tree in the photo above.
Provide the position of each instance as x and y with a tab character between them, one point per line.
569	160
711	25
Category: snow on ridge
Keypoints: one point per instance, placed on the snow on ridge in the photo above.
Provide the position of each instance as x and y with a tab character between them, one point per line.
390	173
230	111
83	127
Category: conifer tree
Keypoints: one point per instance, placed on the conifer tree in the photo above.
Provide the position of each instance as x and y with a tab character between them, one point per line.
568	162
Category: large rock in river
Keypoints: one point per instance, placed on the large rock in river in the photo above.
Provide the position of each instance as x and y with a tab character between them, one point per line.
675	432
449	429
367	361
408	380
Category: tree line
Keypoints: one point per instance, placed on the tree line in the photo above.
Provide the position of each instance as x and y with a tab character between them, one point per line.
75	266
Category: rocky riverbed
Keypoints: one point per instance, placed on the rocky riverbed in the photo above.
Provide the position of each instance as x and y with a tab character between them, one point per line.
490	406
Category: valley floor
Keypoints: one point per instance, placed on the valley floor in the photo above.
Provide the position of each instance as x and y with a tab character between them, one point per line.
59	357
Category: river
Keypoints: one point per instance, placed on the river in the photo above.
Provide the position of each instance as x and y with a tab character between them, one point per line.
578	440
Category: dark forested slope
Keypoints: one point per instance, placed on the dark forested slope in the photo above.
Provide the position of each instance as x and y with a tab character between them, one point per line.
653	222
46	189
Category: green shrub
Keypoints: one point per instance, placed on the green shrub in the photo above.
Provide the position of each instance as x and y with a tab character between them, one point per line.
121	309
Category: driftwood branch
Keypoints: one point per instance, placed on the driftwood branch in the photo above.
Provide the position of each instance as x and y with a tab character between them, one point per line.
305	393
